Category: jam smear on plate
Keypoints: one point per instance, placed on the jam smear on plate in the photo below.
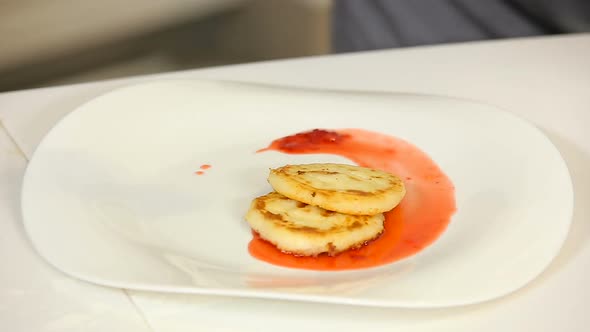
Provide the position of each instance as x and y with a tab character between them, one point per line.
203	167
415	223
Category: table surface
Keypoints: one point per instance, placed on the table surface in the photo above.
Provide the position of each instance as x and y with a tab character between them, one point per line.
545	80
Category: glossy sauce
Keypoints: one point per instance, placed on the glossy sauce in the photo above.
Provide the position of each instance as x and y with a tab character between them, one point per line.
416	222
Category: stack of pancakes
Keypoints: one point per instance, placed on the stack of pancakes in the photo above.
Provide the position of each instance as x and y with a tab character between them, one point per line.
324	208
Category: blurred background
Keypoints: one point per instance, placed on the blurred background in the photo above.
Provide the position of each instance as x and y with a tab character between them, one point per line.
44	43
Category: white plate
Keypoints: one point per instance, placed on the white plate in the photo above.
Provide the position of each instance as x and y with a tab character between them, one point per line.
110	195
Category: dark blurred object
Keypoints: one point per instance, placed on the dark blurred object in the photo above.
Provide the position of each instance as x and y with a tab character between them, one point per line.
366	25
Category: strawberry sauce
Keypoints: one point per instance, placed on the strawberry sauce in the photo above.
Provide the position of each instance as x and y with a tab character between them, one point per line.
415	223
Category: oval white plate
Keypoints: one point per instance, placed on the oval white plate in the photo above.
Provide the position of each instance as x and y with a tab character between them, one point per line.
111	197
